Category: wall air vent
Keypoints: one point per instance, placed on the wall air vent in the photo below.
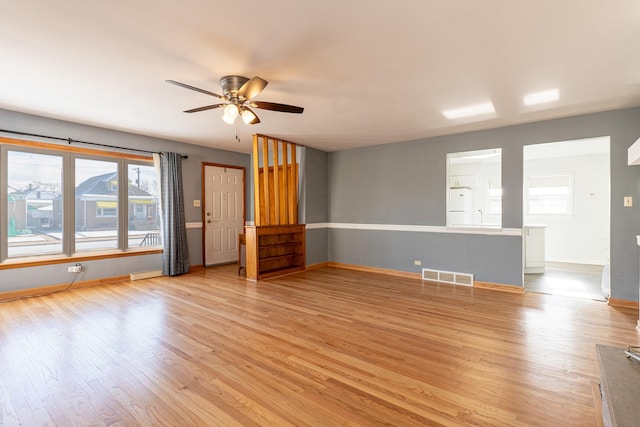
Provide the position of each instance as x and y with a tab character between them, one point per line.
454	278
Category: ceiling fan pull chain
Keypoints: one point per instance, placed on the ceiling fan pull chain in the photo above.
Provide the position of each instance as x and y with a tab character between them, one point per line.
237	137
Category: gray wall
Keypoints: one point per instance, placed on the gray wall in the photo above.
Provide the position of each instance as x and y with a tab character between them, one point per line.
316	180
23	278
404	184
315	200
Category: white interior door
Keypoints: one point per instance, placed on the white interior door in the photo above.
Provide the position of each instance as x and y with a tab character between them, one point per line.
224	213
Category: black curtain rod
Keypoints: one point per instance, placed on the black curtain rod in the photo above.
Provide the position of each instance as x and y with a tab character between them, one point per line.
70	141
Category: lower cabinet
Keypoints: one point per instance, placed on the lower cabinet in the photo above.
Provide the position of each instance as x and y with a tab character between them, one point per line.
534	249
274	250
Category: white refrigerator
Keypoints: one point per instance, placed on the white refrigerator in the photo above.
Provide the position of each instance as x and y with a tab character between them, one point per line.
460	206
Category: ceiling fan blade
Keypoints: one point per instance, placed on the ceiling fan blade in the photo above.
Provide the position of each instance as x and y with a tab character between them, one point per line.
197	89
277	107
252	87
206	107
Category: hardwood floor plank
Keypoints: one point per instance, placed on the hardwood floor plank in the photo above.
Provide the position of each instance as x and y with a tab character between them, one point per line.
324	347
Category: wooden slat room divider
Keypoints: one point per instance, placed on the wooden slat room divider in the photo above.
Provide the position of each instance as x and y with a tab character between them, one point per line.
275	175
276	244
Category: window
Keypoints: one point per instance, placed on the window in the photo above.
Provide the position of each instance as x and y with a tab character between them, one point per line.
96	204
34	204
474	188
495	200
66	201
107	212
143	206
550	194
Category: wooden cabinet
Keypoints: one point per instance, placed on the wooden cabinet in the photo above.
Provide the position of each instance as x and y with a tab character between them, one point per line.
273	250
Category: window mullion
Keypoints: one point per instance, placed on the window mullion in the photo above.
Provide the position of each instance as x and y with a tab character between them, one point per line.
69	205
123	205
4	240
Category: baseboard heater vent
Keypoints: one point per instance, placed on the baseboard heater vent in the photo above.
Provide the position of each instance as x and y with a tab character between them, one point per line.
447	277
145	275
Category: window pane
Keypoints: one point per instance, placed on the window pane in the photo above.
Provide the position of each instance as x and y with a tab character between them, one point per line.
143	201
96	205
34	204
550	194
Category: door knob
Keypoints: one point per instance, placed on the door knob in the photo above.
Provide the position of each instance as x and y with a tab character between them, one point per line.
208	221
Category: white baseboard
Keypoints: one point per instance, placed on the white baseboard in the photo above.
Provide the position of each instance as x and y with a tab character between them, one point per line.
577	261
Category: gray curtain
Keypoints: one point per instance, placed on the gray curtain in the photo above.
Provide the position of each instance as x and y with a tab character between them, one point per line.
175	258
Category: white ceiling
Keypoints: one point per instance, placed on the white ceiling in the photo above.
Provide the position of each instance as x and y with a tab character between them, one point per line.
367	71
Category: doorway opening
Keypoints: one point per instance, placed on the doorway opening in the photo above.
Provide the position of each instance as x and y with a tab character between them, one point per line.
566	218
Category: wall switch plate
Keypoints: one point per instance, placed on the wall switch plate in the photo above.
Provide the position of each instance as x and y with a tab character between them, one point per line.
417	262
196	203
628	201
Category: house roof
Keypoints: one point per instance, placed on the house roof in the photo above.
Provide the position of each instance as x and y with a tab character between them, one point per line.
366	72
96	186
34	193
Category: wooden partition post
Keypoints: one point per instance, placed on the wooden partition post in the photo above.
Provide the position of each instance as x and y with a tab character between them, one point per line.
257	210
293	188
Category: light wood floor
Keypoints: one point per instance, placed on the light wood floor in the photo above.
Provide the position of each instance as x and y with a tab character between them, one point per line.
325	347
573	280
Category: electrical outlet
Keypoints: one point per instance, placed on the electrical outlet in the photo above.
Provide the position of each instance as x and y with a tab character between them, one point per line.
74	269
417	262
628	201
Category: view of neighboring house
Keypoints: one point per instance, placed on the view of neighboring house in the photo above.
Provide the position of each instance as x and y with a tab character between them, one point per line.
30	209
96	207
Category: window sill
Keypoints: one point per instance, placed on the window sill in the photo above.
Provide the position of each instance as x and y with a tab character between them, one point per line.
484	228
35	261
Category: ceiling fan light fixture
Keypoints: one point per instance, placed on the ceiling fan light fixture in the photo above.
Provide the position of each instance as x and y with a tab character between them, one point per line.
247	116
230	114
228	119
238	93
231	110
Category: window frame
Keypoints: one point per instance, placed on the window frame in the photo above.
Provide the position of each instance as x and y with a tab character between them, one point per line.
128	179
480	182
4	193
100	212
69	155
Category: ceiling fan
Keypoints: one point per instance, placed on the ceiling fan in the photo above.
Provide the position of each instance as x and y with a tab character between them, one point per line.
238	93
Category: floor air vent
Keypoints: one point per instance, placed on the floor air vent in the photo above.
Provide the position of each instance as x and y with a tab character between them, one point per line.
447	277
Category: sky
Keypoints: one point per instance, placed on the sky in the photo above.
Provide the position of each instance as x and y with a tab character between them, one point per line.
24	168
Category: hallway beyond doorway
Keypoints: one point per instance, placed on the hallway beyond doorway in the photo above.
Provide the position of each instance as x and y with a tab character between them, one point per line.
572	280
